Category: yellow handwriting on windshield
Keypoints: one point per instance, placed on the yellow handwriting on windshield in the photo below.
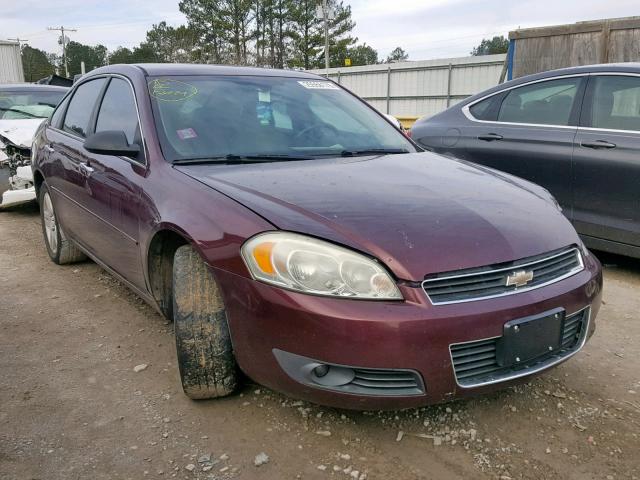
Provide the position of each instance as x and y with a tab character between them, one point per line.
169	90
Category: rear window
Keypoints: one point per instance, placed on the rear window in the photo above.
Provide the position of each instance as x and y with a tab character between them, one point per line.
616	103
216	116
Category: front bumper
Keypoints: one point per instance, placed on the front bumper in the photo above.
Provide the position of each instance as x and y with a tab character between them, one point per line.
408	336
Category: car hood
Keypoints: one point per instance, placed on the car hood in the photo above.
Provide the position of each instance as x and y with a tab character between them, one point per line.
20	132
418	213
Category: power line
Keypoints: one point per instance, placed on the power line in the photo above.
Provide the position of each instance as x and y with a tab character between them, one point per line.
64	46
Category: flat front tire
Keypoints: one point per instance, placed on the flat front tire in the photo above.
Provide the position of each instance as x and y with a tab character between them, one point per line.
207	365
60	249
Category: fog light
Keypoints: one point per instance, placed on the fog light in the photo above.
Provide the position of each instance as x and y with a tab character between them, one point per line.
321	370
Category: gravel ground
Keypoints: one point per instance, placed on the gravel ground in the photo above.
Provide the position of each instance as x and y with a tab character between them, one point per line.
73	406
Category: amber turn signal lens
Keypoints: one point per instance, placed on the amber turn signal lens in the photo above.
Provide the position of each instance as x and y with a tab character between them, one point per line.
262	256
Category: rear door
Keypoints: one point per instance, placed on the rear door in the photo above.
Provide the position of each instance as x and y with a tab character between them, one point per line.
68	166
528	131
607	160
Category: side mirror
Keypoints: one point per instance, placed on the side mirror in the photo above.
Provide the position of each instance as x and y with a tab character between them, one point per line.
111	142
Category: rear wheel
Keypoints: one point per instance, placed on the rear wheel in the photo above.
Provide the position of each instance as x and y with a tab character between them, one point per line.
205	355
60	249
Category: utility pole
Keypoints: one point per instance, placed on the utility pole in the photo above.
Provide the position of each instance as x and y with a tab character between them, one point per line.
325	14
64	46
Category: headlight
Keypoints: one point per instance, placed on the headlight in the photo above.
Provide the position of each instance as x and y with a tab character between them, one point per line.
310	265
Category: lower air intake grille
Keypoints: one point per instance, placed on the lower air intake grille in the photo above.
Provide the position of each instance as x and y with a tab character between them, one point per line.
503	279
384	382
476	363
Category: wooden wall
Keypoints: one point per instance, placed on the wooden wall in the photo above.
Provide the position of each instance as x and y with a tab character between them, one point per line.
583	43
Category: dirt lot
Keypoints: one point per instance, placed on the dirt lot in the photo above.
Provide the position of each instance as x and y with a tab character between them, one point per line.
72	407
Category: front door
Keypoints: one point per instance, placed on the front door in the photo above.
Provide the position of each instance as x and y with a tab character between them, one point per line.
113	186
607	161
528	131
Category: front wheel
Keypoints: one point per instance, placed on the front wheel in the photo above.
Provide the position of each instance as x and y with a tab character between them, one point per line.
207	365
60	249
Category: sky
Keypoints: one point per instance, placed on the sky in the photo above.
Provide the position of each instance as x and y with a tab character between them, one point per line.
426	29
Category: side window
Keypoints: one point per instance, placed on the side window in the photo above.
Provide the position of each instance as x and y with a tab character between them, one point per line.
616	103
118	110
545	103
481	110
76	120
56	118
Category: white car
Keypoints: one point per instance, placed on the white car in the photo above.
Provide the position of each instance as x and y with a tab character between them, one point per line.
23	108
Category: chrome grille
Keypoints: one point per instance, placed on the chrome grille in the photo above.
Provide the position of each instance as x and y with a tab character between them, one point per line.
476	363
493	281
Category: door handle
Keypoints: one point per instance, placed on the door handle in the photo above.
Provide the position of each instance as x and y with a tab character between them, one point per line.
85	170
49	149
598	144
490	137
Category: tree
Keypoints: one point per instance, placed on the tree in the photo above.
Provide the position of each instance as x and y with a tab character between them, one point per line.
340	39
170	45
92	56
397	55
205	18
362	55
36	64
306	33
491	46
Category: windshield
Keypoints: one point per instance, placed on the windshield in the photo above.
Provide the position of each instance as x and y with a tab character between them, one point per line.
19	105
204	117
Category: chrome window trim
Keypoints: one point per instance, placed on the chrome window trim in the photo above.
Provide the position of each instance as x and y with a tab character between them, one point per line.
530	371
570	273
135	100
467	113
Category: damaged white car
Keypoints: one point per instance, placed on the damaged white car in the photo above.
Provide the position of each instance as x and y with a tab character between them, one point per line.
23	108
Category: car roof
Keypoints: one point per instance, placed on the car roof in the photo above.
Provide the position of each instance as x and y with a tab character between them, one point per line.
630	67
161	69
31	87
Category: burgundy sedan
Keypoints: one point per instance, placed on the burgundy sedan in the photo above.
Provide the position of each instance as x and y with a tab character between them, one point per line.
293	234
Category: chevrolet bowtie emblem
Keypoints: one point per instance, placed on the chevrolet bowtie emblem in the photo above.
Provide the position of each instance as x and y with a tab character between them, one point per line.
519	278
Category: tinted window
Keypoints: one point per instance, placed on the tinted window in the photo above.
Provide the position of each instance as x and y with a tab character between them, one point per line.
118	110
616	103
481	109
81	106
56	118
546	103
217	116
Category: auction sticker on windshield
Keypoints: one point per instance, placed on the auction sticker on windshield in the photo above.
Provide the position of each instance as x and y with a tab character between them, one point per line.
318	85
169	90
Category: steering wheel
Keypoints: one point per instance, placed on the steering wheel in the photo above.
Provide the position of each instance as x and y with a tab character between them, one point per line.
317	129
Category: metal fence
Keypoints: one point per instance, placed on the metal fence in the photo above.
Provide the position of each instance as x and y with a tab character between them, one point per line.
410	90
10	63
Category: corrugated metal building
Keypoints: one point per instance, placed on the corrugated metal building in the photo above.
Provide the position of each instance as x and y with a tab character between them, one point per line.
10	63
410	90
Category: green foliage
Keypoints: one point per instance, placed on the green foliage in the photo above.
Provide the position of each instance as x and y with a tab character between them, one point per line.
36	64
491	46
92	56
273	33
397	55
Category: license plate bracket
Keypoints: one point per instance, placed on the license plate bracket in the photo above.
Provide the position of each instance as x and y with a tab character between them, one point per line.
527	338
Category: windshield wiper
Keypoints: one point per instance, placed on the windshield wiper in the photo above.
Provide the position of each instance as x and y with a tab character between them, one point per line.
31	115
373	151
232	158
